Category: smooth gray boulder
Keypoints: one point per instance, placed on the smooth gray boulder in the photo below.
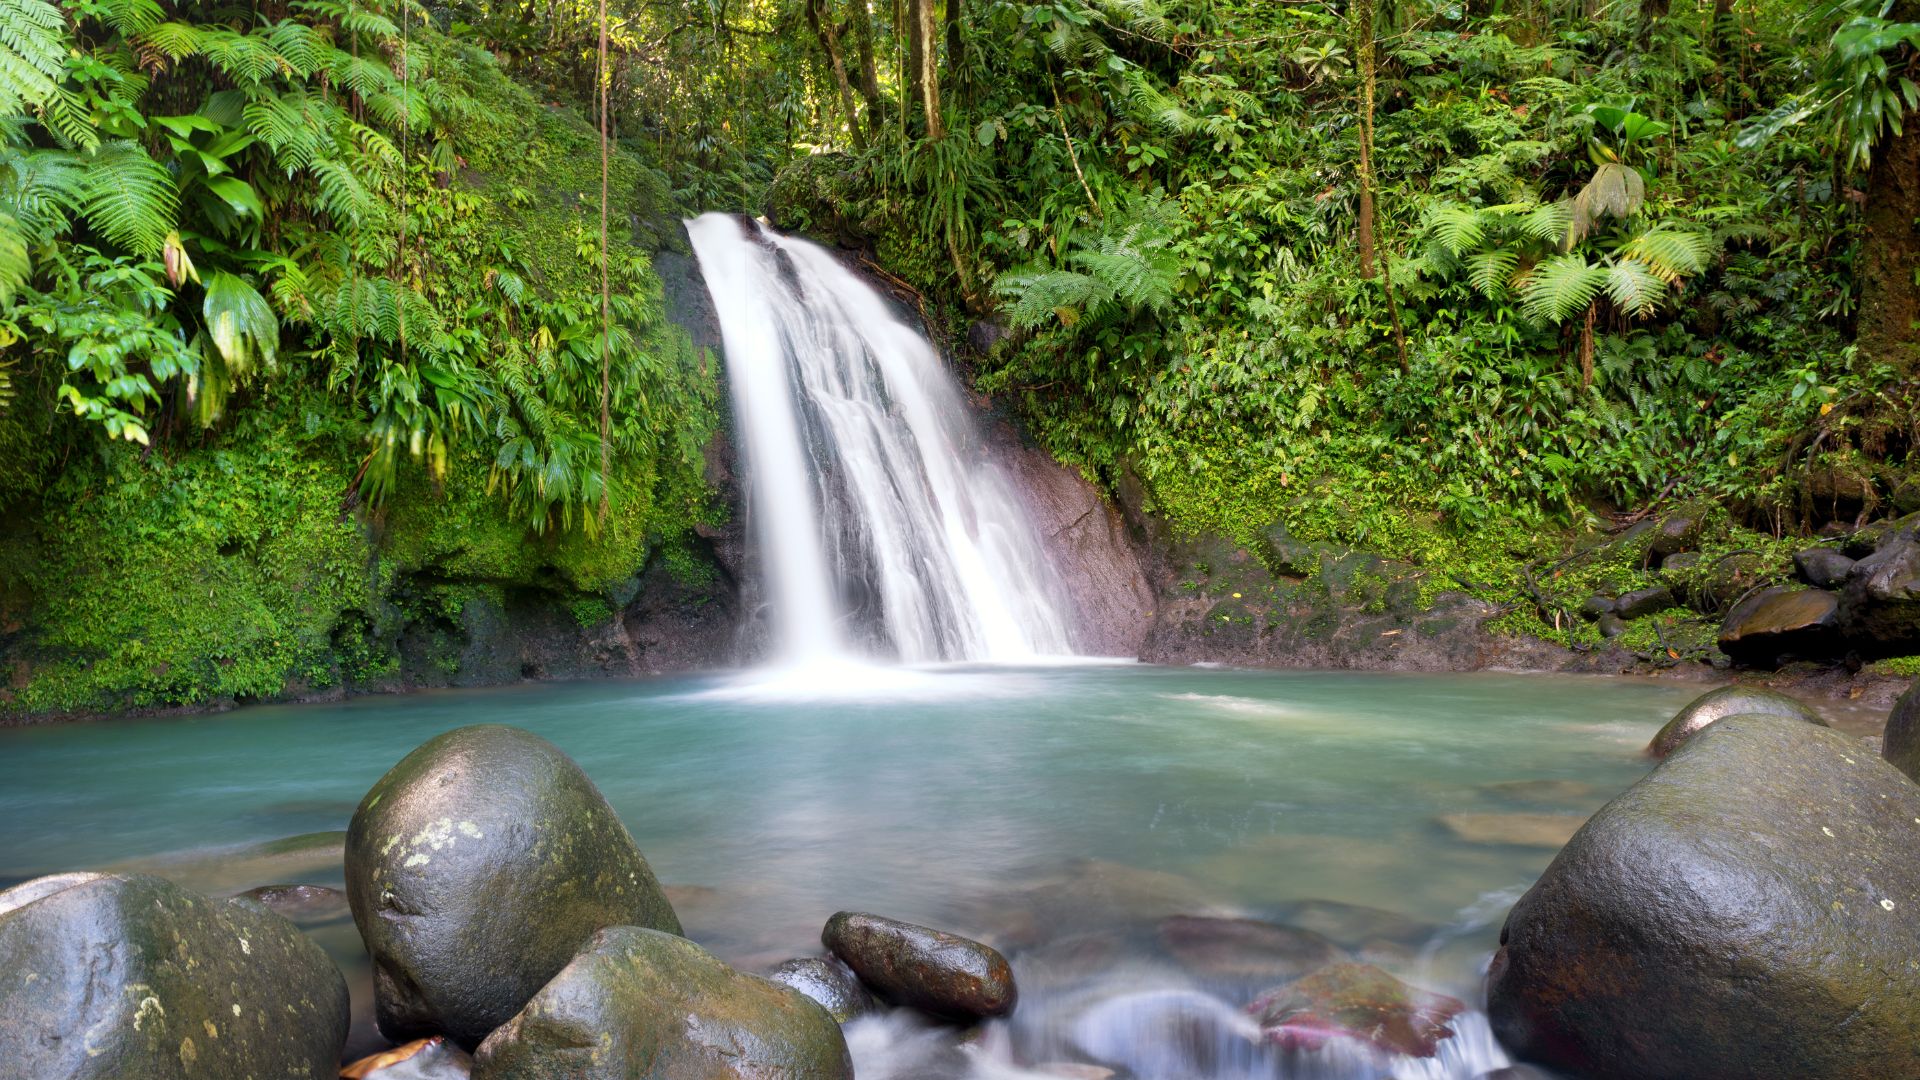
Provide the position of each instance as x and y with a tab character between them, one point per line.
1822	567
938	973
642	1005
830	983
105	976
476	868
1748	909
1716	705
1901	743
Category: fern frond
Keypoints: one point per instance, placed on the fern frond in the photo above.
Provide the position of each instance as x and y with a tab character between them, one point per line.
1635	287
33	36
1457	228
1492	271
1672	253
174	40
129	197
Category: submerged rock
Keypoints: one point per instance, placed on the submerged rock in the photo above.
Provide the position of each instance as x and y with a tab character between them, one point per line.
1781	622
1358	1002
1515	830
109	976
1716	705
830	983
305	906
1748	909
477	867
642	1005
1901	745
1244	948
935	972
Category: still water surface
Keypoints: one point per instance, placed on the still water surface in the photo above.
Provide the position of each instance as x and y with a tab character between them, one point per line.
1060	812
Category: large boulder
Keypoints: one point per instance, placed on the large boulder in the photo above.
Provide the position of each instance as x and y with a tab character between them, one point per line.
642	1005
108	976
1880	606
935	972
1716	705
1901	744
1748	909
1781	622
477	867
1823	567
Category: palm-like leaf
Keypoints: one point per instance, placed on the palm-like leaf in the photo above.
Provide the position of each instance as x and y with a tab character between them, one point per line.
240	323
1561	287
1615	191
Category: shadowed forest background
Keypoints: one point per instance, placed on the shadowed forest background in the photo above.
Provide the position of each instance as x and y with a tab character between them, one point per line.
303	332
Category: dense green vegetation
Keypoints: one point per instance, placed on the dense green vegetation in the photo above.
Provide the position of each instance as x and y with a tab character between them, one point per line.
300	303
304	335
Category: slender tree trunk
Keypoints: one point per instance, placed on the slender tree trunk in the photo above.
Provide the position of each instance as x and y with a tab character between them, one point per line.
823	28
956	47
1890	254
862	21
923	62
1363	17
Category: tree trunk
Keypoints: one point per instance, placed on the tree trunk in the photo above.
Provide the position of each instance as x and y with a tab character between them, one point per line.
823	28
923	62
1890	253
1363	17
862	22
956	47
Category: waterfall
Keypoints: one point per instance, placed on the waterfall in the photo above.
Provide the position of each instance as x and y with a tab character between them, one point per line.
883	527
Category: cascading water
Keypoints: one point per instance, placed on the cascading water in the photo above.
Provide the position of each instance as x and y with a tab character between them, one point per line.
884	530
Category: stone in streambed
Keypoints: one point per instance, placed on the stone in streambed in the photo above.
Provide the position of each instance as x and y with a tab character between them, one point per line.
305	906
642	1005
1514	830
109	976
1822	567
1880	606
1901	744
1244	948
935	972
1750	909
1716	705
830	983
1358	1002
1782	622
477	867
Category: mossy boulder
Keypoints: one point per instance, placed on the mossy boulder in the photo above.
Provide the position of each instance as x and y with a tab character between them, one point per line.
1747	909
642	1005
477	867
938	973
1880	606
1901	745
1716	705
109	976
830	983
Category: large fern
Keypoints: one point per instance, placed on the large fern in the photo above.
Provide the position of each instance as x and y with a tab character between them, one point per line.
128	197
32	53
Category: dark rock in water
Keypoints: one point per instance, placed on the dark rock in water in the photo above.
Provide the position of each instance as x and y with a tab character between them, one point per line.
1781	622
1245	949
1516	1072
1822	567
642	1005
303	905
1716	705
1611	625
421	1059
109	976
1880	607
1355	926
1358	1002
477	867
1748	909
937	973
830	983
1641	603
1901	745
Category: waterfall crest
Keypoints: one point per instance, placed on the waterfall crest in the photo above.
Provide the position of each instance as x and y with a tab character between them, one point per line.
885	530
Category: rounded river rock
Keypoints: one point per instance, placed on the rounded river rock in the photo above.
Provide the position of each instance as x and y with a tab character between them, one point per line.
477	867
935	972
1715	705
1748	909
104	977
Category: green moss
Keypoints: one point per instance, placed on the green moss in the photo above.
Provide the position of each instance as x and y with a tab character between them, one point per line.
1904	667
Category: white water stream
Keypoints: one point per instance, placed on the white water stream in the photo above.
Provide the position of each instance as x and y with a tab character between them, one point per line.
884	530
